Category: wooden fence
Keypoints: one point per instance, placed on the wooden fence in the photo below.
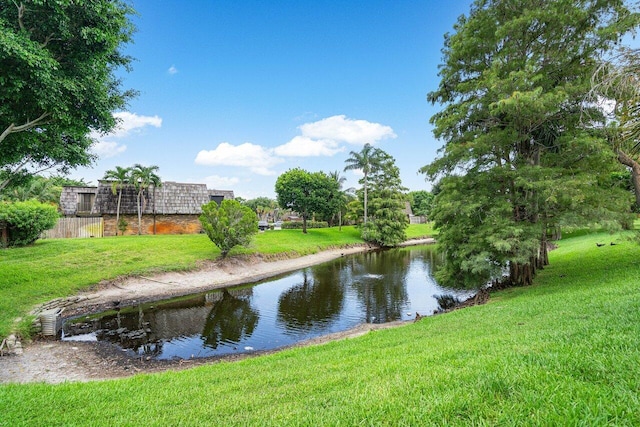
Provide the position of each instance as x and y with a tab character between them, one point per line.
414	219
69	228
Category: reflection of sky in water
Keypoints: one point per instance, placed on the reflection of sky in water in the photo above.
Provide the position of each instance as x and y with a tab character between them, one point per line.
342	291
422	287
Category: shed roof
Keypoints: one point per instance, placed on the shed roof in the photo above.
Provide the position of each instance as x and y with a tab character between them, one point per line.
167	199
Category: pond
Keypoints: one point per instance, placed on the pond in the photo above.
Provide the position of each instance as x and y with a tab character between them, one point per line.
372	287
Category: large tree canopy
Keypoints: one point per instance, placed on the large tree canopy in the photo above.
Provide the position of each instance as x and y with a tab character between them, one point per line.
387	217
308	193
518	160
57	79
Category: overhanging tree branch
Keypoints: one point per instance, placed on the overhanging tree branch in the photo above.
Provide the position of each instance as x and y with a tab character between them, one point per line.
21	166
50	117
12	128
628	161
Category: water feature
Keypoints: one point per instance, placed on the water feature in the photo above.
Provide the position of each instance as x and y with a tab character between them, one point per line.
373	287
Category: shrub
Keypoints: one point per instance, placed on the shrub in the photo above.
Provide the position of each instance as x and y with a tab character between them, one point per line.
122	226
229	225
297	225
25	221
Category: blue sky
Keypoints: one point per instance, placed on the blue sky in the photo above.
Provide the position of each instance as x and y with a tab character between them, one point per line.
233	93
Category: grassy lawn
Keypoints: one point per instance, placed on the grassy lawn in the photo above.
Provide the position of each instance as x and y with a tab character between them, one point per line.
563	352
60	267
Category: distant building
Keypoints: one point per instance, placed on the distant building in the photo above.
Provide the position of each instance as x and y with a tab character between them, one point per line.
172	208
413	219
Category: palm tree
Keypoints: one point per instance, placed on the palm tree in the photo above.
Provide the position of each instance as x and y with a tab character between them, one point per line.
119	177
366	160
335	175
142	178
37	187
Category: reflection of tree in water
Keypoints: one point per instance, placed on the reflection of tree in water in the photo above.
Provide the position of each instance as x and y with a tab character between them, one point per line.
315	302
231	319
379	281
433	255
130	331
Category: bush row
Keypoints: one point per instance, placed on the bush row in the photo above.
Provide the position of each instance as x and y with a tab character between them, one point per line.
297	225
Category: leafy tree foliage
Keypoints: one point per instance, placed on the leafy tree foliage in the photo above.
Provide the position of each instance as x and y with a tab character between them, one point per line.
343	196
58	61
264	207
518	158
421	202
388	219
307	193
25	221
228	225
36	187
63	181
354	209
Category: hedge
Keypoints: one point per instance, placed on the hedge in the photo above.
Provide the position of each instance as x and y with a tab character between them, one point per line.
25	221
297	225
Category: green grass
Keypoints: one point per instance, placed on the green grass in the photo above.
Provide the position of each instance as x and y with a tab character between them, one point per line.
565	351
60	267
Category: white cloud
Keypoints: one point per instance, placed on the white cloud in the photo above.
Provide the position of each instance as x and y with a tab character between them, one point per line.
357	172
325	137
342	129
172	70
255	157
127	124
302	146
607	106
220	182
105	149
132	122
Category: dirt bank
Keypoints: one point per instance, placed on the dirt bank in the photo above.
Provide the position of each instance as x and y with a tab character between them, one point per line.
56	361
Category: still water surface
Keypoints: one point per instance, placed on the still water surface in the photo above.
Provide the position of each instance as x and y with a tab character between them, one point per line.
374	287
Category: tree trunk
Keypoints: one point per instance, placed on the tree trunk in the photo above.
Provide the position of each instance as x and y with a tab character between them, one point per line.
118	211
543	254
626	160
139	213
154	210
304	223
521	274
365	199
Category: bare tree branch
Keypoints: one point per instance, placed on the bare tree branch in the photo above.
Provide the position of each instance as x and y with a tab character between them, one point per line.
47	40
21	166
21	10
12	128
6	182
